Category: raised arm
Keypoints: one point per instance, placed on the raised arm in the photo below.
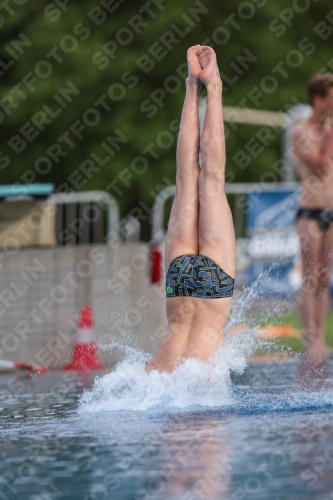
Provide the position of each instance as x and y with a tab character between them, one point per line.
309	153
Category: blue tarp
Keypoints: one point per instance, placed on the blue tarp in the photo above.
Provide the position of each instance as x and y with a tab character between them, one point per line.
273	244
34	190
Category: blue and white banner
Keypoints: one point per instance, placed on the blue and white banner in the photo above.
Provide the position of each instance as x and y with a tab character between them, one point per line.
273	244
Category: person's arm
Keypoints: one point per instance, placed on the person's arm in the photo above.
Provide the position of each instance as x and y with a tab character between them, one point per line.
310	154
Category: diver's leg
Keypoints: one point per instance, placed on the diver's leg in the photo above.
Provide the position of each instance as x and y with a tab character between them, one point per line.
182	236
216	229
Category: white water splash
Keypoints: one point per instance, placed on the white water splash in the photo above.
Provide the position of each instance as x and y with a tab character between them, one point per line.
193	384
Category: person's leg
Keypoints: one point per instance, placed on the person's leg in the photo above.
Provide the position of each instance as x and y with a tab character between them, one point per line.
216	229
323	285
311	240
182	235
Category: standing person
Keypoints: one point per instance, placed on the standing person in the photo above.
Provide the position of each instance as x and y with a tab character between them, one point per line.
200	245
312	143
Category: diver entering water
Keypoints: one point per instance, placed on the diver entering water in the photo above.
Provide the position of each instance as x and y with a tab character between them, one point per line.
200	244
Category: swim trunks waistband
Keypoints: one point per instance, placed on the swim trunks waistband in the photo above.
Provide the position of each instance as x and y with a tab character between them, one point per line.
323	216
198	276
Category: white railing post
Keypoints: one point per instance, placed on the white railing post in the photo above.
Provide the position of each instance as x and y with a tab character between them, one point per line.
157	214
294	115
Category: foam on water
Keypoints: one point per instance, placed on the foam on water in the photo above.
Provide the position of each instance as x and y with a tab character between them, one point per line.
196	385
193	384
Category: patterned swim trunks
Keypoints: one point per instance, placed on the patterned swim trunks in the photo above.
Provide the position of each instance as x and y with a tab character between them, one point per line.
197	276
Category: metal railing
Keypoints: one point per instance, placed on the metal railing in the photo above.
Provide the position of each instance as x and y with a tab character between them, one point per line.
239	190
86	217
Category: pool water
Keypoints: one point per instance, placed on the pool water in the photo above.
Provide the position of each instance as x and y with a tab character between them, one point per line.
193	435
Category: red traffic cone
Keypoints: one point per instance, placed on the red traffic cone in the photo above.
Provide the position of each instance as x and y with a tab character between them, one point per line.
85	350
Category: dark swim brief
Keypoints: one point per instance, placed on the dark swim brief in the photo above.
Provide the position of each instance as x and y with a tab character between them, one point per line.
197	276
324	216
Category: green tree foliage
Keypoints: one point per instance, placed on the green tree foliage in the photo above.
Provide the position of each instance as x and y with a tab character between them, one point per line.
131	57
